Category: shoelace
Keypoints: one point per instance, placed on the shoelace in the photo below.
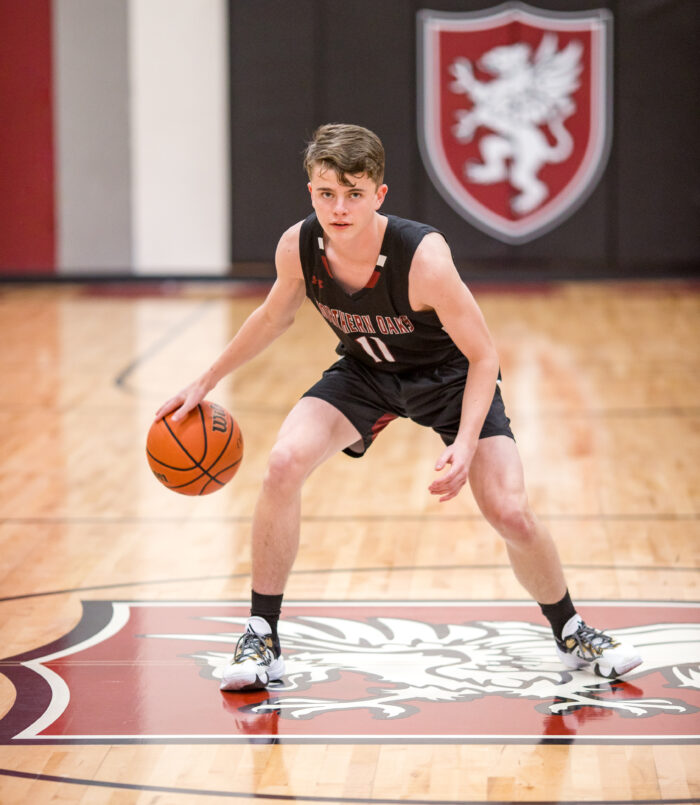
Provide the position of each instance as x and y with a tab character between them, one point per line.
590	641
252	645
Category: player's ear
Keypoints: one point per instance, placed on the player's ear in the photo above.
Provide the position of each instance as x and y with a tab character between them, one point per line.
381	195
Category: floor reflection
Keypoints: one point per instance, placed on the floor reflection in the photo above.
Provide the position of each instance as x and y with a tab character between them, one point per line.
261	724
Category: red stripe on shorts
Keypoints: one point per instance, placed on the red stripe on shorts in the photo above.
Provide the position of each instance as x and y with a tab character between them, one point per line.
381	423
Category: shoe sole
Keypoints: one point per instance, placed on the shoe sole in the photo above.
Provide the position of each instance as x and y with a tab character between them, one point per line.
253	681
574	664
619	670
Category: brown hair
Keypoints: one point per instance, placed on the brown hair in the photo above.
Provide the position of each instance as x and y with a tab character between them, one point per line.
347	150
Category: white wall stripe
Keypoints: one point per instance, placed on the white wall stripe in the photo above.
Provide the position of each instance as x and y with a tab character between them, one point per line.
179	136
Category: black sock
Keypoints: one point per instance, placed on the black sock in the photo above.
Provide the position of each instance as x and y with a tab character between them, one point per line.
268	607
558	614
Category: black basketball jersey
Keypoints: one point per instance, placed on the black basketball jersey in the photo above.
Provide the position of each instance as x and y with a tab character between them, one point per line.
376	325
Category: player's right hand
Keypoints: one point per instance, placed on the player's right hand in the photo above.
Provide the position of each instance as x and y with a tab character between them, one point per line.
183	402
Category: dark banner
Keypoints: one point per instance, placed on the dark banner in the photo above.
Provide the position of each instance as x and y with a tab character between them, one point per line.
548	139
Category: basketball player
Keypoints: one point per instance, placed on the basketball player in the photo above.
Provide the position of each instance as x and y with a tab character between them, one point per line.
413	343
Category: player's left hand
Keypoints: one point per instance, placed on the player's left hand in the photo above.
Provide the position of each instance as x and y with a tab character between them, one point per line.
448	486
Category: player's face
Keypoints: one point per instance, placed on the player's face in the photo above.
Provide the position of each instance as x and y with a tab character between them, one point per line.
344	211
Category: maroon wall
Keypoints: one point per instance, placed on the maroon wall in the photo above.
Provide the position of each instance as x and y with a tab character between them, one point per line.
27	224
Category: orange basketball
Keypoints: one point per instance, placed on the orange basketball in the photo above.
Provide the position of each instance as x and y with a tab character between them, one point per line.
198	454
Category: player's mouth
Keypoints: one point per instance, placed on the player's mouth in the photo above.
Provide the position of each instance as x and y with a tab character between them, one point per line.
340	224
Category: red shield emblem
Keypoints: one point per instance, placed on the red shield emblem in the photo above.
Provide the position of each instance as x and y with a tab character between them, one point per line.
514	108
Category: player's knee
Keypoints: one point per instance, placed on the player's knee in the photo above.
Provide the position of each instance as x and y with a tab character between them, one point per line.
513	519
287	468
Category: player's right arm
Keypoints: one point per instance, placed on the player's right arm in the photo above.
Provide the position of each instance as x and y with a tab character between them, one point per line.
265	324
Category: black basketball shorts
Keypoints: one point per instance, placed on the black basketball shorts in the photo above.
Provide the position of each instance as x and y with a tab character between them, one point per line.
429	396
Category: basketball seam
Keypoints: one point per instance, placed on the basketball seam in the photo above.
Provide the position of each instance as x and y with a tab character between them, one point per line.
211	478
221	452
188	454
216	477
200	408
169	466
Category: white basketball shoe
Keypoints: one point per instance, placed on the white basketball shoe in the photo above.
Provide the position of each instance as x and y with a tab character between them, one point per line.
255	661
583	647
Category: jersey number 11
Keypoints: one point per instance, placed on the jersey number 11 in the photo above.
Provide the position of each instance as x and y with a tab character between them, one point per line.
363	341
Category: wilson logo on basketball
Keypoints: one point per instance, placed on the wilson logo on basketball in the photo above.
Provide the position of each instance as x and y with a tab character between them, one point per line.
220	419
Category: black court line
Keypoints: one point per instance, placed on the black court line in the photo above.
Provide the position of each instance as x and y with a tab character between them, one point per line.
205	792
643	517
177	329
331	570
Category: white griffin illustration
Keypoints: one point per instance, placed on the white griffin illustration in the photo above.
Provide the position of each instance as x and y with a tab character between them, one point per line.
409	661
524	96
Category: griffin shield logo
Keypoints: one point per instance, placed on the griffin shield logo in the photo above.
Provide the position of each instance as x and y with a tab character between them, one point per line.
514	113
382	671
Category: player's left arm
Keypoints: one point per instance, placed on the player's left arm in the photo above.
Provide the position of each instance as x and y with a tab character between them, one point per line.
434	283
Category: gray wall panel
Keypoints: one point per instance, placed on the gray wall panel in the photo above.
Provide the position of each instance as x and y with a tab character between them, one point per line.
91	89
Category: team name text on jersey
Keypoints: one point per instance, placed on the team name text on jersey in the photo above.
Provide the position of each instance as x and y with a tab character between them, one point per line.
354	323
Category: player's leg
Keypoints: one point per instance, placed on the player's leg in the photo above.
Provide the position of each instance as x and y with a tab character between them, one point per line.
313	431
496	478
344	410
497	481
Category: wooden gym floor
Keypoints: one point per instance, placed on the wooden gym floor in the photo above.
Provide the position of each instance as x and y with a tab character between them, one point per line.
116	594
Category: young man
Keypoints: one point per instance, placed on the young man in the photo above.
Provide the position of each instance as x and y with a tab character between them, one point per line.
413	343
